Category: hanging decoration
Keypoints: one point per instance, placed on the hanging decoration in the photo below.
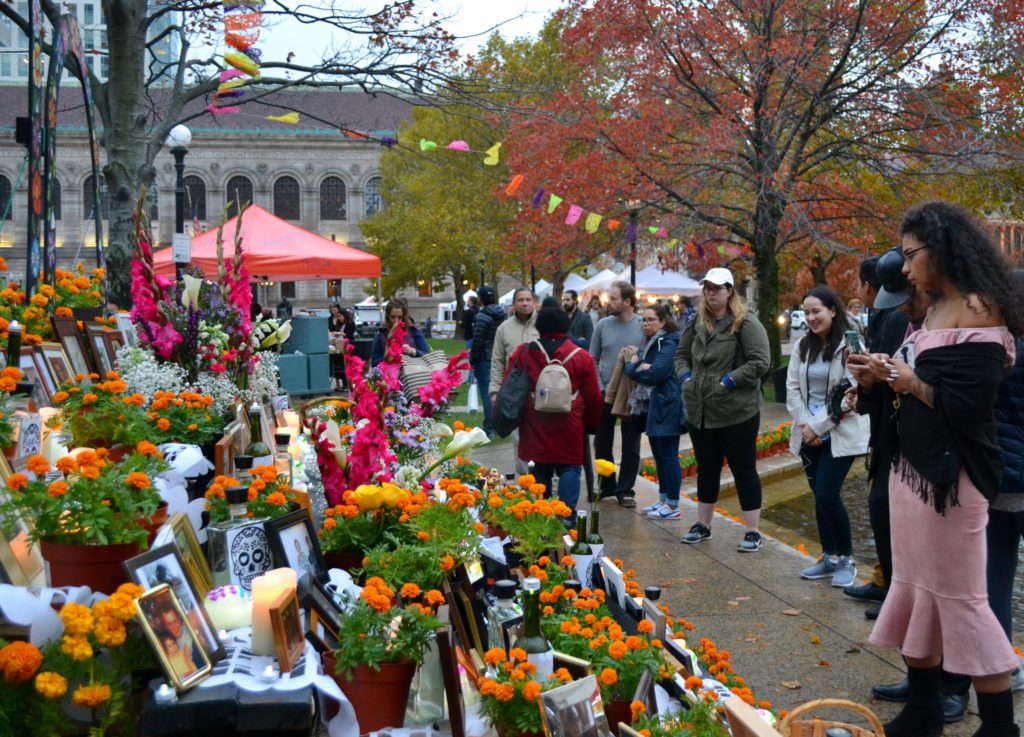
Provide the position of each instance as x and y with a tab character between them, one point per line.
242	22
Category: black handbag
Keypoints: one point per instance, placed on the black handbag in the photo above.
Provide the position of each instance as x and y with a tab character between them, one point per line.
511	399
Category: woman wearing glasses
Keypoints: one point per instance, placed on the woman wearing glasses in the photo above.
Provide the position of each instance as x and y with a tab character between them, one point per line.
722	356
947	468
655	402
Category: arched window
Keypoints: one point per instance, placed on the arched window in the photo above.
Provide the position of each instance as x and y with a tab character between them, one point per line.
332	199
237	193
286	199
87	200
57	199
6	203
373	200
195	198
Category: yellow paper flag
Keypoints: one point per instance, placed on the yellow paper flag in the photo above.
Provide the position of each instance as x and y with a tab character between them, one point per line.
593	222
292	118
492	155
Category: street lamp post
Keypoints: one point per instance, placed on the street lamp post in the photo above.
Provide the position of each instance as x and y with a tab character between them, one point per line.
634	211
178	140
483	276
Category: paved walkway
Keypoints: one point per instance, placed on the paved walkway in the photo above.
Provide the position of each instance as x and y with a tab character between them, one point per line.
754	605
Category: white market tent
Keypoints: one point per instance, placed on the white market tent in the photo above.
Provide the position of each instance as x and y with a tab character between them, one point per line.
654	281
574	281
598	282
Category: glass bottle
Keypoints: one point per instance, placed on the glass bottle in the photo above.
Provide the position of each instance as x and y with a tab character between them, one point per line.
14	344
594	539
282	456
239	548
581	551
503	614
532	640
260	452
243	468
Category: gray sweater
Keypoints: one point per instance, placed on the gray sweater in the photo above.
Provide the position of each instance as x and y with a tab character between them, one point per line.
610	336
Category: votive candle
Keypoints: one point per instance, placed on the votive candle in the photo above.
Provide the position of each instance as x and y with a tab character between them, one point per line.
266	589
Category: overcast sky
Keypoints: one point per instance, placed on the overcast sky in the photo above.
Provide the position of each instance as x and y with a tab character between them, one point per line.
471	20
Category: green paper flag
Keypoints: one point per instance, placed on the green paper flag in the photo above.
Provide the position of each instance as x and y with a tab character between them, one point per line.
426	145
593	222
721	250
652	230
553	203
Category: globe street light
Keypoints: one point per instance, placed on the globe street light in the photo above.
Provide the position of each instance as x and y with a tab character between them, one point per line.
178	139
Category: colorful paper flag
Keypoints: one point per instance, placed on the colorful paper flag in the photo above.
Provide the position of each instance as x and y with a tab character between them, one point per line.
721	250
553	203
651	229
426	145
538	198
514	185
614	224
575	213
458	146
662	233
492	157
593	222
291	118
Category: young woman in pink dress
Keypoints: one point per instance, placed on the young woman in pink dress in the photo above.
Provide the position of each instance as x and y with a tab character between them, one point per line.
947	469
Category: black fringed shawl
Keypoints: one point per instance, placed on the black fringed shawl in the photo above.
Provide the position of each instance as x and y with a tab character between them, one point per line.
960	432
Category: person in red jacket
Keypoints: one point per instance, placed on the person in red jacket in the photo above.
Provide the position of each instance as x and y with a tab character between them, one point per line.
554	441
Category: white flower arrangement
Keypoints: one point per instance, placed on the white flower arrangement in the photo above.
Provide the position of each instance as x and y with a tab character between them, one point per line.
263	379
145	375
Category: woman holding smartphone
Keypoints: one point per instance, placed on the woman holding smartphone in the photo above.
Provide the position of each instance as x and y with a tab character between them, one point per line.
826	436
947	468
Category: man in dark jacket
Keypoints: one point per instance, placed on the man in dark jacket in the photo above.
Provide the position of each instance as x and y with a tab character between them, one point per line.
581	327
468	316
485	325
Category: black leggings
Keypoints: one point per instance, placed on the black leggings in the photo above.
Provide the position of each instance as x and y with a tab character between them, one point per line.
737	444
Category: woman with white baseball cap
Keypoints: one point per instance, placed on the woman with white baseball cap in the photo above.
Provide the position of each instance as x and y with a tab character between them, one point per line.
722	357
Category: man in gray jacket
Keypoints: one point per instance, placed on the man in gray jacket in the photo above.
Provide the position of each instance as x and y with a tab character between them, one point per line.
616	336
518	329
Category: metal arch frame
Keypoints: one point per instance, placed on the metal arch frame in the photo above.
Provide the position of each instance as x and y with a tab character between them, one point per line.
42	104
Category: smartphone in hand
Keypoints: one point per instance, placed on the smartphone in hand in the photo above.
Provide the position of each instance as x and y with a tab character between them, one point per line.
853	341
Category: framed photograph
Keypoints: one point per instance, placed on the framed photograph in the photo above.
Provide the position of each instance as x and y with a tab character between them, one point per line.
295	545
322	608
21	564
30	435
743	720
241	433
164	565
57	361
100	350
127	328
266	426
645	693
115	341
575	710
510	630
178	531
614	583
73	341
289	634
178	648
32	357
577	667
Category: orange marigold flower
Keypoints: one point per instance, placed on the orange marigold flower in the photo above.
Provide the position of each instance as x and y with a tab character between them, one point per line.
609	677
526	480
645	626
433	598
11	373
17	481
277	499
447	563
636	708
92	696
90	472
531	691
147	448
494	656
517	655
38	465
51	685
89	398
409	591
506	692
617	650
57	489
59	397
164	424
137	479
63	312
19	661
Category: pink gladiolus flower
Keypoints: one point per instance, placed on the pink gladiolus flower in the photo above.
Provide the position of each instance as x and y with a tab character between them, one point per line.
218	368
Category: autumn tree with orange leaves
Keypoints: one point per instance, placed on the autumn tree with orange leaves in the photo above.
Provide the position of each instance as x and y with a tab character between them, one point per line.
756	121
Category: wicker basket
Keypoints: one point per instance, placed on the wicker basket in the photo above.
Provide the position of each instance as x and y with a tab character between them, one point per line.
790	727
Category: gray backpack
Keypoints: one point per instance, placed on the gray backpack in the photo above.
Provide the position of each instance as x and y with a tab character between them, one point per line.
553	392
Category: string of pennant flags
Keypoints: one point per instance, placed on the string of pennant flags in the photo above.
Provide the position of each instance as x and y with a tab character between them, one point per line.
574	213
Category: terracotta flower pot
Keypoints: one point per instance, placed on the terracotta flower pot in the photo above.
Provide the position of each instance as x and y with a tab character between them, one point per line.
617	712
378	697
154	523
95	566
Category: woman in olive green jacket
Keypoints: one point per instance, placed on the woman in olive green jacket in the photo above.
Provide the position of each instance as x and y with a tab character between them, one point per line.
722	356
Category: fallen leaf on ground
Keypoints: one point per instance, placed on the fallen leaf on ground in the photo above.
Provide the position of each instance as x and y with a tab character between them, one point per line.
791	612
666	584
853	650
824	664
791	684
815	640
689	580
733	603
752	639
742	598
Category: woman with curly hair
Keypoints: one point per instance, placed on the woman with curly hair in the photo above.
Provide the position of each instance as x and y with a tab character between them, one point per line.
946	468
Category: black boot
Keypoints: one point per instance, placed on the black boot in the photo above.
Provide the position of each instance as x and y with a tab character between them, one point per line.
922	716
996	711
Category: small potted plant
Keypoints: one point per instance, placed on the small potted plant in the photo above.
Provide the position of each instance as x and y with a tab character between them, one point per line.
534	523
366	516
101	414
183	417
89	513
269	494
383	637
509	693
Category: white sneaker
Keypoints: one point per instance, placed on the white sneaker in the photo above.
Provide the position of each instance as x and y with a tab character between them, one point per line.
667	511
1017	680
653	507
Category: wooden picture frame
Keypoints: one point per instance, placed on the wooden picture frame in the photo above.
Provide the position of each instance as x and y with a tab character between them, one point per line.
127	328
320	605
46	380
115	341
57	361
97	340
175	643
178	531
164	565
656	617
294	544
744	721
614	582
450	674
224	454
645	693
574	708
21	564
66	329
289	634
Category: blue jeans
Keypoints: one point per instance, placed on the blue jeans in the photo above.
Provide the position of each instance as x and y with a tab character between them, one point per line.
568	481
482	372
670	474
826	474
1003	535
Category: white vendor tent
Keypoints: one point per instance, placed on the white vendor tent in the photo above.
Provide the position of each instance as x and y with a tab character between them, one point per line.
598	282
574	281
654	281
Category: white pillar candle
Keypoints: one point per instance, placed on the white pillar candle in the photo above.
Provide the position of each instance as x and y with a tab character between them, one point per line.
266	589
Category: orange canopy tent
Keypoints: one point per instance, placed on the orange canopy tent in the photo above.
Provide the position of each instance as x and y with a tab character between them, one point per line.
275	249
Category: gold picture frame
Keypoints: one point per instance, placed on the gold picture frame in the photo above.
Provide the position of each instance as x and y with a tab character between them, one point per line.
289	634
172	638
178	531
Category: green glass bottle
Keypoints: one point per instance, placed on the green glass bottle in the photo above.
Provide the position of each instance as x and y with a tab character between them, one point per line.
532	640
581	551
594	539
260	452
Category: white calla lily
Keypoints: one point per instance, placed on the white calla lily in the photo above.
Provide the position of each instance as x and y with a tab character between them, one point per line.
333	436
440	430
464	441
190	293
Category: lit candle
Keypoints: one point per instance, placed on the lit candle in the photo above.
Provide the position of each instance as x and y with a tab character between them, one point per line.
269	674
266	589
165	694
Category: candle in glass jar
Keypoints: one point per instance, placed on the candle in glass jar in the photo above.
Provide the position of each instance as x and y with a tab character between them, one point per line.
266	589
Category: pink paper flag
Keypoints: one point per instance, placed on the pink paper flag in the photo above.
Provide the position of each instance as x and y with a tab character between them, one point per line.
458	146
575	212
662	233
